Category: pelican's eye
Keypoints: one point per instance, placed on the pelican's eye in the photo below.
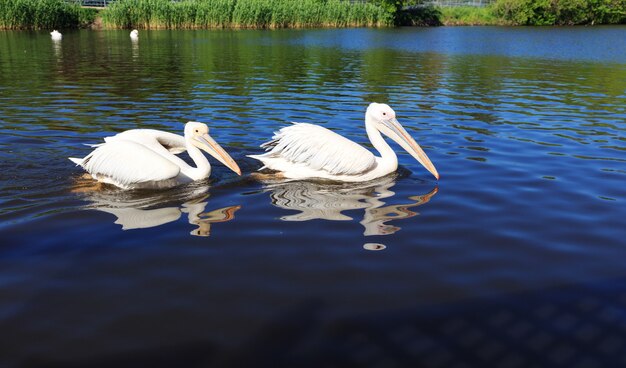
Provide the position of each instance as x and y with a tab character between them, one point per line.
384	113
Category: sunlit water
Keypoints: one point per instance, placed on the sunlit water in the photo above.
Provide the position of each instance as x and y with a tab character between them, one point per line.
516	257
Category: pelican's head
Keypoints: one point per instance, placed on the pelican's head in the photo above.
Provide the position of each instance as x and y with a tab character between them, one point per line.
198	134
384	120
134	33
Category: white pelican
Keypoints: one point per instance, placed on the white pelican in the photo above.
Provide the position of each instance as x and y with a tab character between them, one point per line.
134	35
56	35
304	151
141	159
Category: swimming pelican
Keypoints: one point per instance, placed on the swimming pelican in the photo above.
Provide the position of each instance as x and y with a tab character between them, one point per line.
139	162
56	35
303	151
134	35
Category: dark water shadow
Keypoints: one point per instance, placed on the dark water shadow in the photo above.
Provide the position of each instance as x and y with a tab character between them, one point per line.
579	325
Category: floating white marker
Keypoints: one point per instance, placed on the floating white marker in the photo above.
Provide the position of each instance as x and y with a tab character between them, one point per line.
374	246
56	35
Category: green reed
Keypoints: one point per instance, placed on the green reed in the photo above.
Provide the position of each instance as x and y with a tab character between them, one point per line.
43	14
470	16
244	14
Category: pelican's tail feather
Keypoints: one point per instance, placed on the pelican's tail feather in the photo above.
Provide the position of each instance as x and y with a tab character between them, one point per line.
77	161
260	158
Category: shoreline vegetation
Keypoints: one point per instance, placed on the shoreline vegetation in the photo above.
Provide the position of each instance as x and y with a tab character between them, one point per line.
190	14
44	14
538	13
272	14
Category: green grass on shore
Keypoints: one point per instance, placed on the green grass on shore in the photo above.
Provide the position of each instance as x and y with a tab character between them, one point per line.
159	14
192	14
43	14
561	12
470	16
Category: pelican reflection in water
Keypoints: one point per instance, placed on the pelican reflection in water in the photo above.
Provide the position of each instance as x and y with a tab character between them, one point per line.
328	201
140	210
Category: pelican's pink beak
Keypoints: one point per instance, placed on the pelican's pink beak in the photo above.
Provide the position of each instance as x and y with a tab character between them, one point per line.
402	137
214	149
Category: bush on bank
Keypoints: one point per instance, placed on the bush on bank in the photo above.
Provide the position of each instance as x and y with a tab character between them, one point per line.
561	12
533	13
471	16
43	14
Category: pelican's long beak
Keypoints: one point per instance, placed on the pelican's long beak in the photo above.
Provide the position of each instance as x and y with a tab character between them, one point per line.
396	132
208	144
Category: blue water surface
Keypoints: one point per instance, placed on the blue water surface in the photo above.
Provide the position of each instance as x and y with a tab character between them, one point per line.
515	258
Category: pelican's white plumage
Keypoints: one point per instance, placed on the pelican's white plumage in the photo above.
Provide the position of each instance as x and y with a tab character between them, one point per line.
304	151
156	140
134	35
56	35
317	148
141	158
127	164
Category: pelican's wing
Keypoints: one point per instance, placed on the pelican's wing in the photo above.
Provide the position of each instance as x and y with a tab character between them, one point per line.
126	163
156	140
319	149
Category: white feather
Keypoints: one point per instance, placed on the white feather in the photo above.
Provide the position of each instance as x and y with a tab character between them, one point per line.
140	164
154	139
317	149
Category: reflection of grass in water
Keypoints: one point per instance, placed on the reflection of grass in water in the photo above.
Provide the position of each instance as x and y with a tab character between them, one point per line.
479	159
43	14
243	14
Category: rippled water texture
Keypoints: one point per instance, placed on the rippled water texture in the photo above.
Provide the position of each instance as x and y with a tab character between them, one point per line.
515	258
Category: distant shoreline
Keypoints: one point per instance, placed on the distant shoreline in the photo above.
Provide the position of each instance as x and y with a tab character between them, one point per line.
277	14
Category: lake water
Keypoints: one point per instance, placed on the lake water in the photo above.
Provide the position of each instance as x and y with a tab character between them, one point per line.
515	258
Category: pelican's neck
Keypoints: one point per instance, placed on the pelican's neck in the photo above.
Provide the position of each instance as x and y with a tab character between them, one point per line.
387	155
202	169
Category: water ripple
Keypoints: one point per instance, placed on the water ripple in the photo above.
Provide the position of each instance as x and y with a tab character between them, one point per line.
528	138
